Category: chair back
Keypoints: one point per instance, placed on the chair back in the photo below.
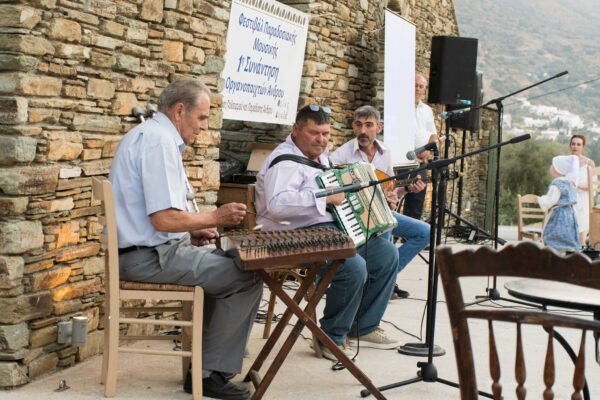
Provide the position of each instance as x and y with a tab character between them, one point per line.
163	299
530	217
102	190
593	184
525	260
594	189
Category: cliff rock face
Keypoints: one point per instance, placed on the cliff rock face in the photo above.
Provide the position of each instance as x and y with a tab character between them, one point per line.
70	75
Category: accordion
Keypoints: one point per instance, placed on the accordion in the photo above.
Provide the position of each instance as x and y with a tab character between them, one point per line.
364	213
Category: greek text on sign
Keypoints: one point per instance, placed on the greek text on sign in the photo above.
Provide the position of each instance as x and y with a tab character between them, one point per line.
266	41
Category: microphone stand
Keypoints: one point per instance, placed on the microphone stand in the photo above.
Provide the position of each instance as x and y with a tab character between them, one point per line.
493	292
458	217
439	173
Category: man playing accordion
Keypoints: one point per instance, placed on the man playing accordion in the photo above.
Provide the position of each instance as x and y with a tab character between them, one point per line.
366	125
286	188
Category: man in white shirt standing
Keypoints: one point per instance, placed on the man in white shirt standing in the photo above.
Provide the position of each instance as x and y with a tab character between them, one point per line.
425	132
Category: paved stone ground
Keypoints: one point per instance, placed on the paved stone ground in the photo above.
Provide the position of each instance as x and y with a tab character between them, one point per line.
303	376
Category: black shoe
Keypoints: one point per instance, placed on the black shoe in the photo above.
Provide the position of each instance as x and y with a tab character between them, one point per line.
399	293
227	375
216	386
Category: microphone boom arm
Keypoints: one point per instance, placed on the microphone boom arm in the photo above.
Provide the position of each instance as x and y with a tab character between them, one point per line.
435	164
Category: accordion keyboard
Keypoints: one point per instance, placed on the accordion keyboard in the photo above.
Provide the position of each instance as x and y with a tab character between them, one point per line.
364	213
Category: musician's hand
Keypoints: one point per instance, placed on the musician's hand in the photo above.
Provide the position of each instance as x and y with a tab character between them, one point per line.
230	214
416	186
335	199
392	198
202	237
424	156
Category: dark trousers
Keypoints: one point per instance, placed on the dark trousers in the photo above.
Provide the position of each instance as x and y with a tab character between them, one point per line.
413	204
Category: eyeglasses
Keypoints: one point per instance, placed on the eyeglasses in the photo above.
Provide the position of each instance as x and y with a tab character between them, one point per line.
316	108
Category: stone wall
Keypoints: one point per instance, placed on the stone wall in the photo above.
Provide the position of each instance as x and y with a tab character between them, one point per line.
344	69
343	65
71	71
70	74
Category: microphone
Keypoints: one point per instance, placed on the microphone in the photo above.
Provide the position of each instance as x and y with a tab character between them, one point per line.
139	113
355	187
447	114
151	109
411	155
520	138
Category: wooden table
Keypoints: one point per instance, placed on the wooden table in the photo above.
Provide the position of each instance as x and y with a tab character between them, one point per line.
559	294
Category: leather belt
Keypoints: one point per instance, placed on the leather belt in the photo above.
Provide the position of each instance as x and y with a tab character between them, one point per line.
129	249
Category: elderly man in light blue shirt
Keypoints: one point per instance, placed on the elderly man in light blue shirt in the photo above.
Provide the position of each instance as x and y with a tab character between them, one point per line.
365	147
286	191
160	230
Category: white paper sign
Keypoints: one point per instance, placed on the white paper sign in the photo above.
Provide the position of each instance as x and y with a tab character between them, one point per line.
266	41
399	87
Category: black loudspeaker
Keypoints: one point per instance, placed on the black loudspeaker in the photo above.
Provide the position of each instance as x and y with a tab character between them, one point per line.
451	70
469	120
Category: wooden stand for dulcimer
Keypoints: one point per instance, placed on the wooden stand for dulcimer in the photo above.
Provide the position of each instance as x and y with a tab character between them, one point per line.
261	251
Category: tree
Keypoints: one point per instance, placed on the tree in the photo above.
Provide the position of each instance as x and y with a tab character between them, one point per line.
593	150
524	169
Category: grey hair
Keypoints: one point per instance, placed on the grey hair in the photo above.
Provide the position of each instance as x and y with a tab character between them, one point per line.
367	112
184	90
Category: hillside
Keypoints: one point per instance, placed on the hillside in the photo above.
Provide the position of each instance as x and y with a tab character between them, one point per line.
523	42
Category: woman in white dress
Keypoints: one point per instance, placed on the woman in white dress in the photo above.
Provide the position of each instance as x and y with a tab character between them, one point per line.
577	145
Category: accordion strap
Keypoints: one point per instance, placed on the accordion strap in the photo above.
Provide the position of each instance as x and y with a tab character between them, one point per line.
299	160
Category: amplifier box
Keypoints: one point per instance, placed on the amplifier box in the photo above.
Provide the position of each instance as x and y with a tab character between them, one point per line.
258	155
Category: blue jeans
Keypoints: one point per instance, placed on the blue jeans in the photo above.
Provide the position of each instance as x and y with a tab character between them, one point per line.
359	293
416	234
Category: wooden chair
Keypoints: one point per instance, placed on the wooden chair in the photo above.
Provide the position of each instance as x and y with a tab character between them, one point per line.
530	217
594	189
189	301
526	260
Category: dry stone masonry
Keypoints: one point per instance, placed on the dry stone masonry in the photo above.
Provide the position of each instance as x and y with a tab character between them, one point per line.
71	71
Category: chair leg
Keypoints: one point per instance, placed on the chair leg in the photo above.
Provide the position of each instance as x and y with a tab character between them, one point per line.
186	340
105	347
269	317
313	315
315	340
110	384
197	315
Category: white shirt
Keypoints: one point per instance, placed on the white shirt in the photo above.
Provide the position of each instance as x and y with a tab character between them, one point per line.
350	152
286	192
147	176
549	199
425	127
